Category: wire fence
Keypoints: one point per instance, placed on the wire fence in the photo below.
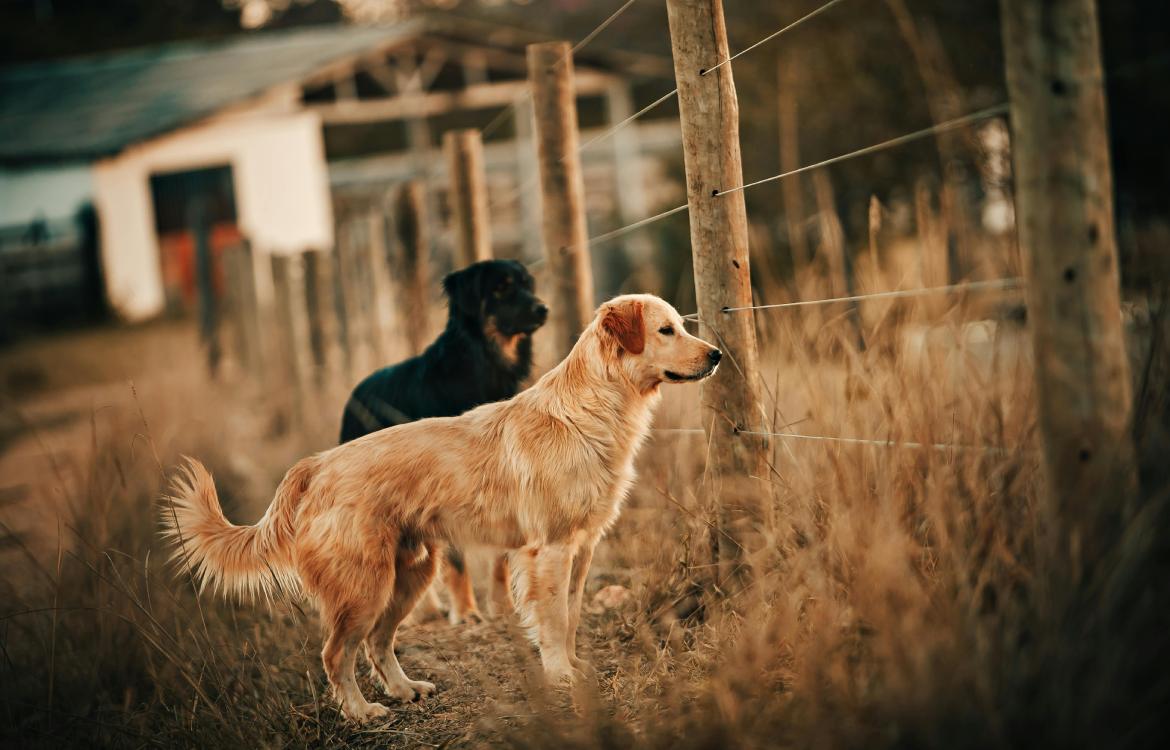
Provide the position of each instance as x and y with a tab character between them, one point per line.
512	110
1004	284
864	442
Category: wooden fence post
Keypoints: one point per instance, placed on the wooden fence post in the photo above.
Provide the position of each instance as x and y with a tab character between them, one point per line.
321	310
380	292
562	188
709	112
468	190
288	291
1064	210
353	293
411	223
244	308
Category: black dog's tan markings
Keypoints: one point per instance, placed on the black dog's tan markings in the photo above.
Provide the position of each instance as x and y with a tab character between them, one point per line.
483	355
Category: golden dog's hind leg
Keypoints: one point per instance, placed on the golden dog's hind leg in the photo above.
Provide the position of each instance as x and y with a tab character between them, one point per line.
548	597
416	566
348	626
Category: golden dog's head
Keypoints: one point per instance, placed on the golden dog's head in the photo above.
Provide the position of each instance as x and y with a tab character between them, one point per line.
648	341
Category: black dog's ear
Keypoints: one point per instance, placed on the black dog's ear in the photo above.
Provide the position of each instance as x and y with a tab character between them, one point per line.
464	288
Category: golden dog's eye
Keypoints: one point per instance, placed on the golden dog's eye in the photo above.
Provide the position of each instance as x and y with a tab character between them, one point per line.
666	330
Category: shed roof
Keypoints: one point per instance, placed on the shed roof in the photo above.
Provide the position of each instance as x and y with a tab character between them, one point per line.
85	108
95	106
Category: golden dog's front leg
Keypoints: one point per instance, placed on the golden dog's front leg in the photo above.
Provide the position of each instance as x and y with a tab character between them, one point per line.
548	596
580	571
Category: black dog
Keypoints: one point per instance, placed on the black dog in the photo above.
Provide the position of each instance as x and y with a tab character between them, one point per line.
483	355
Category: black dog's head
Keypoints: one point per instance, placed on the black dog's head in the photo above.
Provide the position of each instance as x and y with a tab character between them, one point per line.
499	293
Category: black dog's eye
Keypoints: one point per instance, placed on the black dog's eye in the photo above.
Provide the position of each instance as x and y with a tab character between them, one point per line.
666	330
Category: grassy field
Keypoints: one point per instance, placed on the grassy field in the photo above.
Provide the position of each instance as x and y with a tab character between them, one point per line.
905	596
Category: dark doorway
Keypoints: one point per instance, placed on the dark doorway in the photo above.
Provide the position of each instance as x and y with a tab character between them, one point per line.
187	205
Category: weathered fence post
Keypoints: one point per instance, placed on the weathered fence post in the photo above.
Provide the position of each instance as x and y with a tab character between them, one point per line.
380	291
353	294
469	202
1064	210
562	188
244	308
411	223
292	323
709	112
321	310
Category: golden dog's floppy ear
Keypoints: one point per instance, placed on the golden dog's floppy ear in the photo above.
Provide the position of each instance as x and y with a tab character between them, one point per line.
624	322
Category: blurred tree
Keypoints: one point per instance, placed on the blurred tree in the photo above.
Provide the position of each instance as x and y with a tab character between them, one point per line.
36	29
39	29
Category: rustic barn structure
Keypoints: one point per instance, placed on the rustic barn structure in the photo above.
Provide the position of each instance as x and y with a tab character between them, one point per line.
276	136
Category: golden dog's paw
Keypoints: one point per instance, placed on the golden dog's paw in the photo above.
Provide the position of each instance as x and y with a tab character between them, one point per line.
365	712
422	689
565	676
410	690
470	617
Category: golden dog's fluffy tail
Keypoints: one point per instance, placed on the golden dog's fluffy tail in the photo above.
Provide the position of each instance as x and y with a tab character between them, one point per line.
244	561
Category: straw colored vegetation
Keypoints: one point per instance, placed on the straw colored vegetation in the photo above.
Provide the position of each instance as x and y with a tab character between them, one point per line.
903	595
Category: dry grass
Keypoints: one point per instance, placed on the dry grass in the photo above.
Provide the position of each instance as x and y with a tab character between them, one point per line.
903	598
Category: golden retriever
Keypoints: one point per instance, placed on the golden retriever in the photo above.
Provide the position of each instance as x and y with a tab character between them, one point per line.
357	527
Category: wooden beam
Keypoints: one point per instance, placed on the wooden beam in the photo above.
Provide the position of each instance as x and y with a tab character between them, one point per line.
416	105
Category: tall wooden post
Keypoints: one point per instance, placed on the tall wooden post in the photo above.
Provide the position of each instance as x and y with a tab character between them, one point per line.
562	188
528	202
709	112
244	308
1064	210
469	202
321	312
379	290
354	306
411	214
288	287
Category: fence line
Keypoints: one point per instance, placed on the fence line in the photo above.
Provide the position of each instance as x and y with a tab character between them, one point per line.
772	36
501	117
615	128
600	28
983	114
908	137
994	284
844	440
879	443
636	225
